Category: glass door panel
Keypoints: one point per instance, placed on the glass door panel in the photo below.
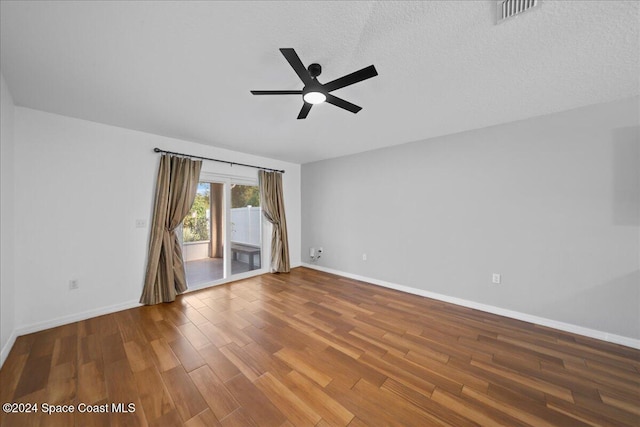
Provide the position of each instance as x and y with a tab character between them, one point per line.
246	228
203	235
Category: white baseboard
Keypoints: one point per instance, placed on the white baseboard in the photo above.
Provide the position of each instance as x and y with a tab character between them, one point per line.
567	327
7	347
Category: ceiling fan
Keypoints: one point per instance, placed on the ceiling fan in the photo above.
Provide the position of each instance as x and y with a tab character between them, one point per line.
315	92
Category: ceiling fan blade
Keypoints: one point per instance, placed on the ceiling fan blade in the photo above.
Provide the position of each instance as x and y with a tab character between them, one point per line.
304	112
339	102
295	62
349	79
276	92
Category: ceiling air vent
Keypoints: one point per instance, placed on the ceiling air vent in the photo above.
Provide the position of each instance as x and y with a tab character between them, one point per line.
510	8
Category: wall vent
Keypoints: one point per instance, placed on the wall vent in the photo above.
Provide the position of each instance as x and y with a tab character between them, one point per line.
510	8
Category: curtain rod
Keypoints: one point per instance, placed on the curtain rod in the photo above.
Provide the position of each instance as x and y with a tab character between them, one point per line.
157	150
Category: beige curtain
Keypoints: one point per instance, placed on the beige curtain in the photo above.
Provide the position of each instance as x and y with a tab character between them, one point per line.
216	192
272	202
176	188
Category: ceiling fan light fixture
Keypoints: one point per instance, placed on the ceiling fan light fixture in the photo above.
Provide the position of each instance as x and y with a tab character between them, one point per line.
313	92
314	97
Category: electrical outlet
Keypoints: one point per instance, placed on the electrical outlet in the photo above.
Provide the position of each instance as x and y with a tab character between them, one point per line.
73	284
141	223
497	278
320	250
364	257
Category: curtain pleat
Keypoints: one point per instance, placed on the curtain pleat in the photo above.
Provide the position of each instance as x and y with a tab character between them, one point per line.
176	187
272	203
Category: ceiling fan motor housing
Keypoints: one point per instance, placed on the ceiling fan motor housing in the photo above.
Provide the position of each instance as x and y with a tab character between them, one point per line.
314	70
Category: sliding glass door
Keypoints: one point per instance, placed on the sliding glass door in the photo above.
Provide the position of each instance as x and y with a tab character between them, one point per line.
222	233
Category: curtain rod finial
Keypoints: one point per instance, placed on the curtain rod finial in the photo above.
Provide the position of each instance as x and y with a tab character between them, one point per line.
157	150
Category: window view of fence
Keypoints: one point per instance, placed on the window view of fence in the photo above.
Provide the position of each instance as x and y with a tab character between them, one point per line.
245	225
246	232
245	215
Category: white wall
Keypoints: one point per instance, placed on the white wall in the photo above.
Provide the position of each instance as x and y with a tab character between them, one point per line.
7	222
551	203
82	185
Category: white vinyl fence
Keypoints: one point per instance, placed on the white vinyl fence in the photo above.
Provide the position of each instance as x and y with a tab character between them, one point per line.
246	225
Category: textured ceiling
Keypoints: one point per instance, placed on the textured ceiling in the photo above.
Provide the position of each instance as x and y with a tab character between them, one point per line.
184	69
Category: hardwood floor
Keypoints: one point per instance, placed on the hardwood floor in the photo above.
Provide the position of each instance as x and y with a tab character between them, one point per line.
309	348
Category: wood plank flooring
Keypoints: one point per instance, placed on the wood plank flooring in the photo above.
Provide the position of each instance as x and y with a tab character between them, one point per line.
313	349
